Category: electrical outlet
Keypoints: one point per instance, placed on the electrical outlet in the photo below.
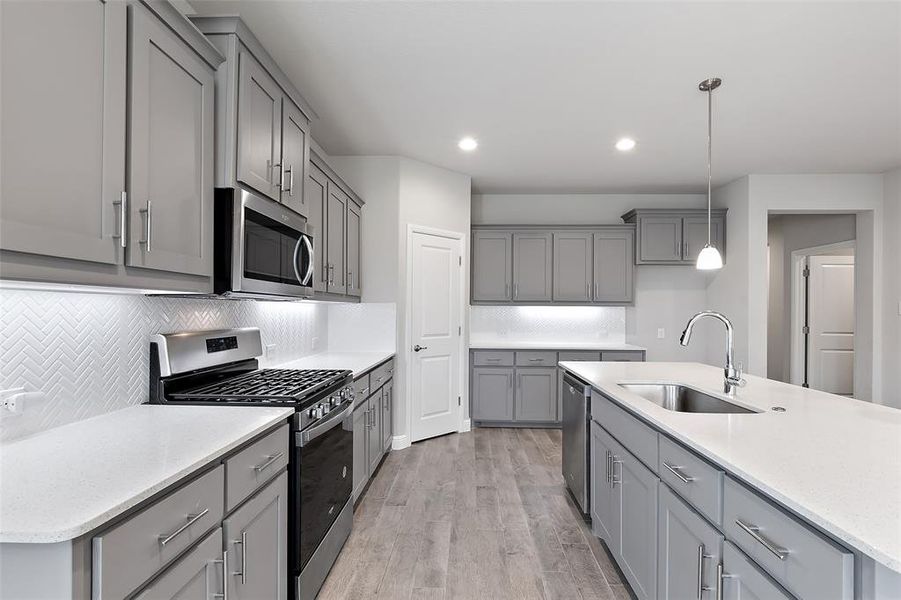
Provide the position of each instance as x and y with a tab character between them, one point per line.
270	350
16	400
661	333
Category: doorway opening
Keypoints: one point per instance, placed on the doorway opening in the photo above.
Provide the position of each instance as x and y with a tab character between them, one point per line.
811	319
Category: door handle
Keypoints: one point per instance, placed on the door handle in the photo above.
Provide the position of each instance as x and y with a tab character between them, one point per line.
417	348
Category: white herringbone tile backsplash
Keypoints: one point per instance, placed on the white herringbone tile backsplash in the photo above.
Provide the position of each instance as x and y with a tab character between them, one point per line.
89	353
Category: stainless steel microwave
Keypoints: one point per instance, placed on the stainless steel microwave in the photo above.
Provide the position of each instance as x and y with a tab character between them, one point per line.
261	248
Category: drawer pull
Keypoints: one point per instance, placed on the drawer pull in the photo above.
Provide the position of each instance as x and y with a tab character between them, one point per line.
677	471
701	558
192	518
365	390
492	360
243	543
536	360
753	531
613	462
269	460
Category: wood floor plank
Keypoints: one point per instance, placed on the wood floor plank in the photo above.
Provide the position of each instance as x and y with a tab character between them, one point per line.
434	554
397	584
559	585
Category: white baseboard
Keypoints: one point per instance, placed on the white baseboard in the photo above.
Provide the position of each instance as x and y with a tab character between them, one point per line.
399	442
467	426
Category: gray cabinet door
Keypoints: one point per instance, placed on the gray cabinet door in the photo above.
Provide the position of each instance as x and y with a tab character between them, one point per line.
536	394
635	510
601	496
572	266
336	222
354	259
694	236
532	267
170	151
387	409
361	447
492	264
316	197
374	437
63	112
614	266
688	551
742	580
198	575
295	156
259	127
256	540
492	394
661	239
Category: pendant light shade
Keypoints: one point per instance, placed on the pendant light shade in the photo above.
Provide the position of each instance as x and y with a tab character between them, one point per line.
709	259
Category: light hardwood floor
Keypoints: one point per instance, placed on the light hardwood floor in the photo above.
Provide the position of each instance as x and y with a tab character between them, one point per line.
475	515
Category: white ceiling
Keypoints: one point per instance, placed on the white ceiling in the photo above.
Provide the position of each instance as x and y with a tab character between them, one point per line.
548	87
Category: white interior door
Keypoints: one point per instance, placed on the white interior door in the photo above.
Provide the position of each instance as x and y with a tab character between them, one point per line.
435	353
830	300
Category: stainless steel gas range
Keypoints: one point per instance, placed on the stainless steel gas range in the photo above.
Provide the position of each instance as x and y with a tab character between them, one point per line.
222	368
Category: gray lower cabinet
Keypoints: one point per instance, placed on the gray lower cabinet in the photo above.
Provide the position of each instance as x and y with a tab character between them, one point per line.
675	237
170	150
372	424
196	576
614	260
492	394
361	448
256	545
601	496
573	266
532	267
536	394
387	410
492	266
376	446
742	580
688	551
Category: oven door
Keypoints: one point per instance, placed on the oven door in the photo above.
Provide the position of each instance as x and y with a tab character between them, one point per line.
324	460
273	249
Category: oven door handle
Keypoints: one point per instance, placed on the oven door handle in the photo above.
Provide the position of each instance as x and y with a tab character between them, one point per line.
302	438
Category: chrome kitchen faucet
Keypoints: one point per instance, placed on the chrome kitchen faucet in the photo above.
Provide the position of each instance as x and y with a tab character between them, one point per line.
732	374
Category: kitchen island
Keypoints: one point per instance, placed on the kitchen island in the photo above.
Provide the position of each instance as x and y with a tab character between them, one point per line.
829	465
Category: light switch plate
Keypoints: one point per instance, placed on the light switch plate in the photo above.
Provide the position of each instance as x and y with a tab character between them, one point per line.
661	333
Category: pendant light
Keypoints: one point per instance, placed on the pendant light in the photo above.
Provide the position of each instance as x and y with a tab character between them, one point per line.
709	259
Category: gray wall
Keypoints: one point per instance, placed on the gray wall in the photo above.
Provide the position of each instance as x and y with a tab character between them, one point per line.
891	341
786	234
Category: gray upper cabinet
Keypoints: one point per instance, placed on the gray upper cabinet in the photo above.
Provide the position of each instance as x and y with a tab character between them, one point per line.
354	259
295	156
492	266
63	142
256	541
335	231
614	259
316	197
675	237
532	267
572	266
492	394
259	127
688	551
536	394
170	150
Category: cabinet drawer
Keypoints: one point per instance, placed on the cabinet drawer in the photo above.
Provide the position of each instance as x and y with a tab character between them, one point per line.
255	465
623	356
807	563
536	359
193	571
700	483
492	358
742	578
638	438
581	355
361	389
380	375
127	555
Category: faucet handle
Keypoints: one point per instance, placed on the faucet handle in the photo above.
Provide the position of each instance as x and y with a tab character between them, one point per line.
736	378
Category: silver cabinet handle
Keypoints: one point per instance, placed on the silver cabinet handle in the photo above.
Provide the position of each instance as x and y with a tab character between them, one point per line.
365	390
148	226
506	291
269	460
687	253
613	462
607	469
752	530
492	360
701	557
224	562
588	290
596	294
243	543
677	471
719	581
165	538
536	360
272	167
515	291
122	203
676	249
325	272
290	173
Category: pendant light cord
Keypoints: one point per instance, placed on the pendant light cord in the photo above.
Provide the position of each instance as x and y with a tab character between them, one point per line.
709	158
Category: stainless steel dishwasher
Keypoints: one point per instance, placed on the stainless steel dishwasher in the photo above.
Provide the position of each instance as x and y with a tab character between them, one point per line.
576	402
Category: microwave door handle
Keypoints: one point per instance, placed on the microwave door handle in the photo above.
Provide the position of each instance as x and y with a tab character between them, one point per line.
308	276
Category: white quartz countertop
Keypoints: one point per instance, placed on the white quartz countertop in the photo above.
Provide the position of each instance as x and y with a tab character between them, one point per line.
64	482
833	460
504	343
358	362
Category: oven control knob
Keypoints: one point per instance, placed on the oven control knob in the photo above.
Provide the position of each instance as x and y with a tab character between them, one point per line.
323	409
333	401
312	413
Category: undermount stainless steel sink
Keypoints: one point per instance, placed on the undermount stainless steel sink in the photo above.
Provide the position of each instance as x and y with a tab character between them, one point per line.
680	398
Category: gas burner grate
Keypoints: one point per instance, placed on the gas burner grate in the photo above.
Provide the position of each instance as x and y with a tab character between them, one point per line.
270	385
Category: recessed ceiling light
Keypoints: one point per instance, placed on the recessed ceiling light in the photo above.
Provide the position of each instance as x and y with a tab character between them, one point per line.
625	144
468	144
